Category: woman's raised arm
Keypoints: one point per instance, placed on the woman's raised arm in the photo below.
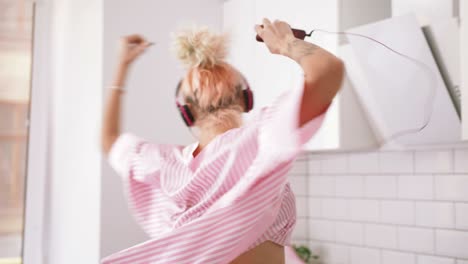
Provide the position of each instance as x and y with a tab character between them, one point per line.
323	72
132	47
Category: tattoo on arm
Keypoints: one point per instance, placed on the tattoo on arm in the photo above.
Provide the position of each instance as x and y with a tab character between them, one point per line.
298	49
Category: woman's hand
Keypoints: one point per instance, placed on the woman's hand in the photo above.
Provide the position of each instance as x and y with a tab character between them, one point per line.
276	35
131	47
323	72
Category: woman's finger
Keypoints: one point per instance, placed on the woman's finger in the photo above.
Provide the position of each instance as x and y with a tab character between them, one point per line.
266	22
259	29
134	39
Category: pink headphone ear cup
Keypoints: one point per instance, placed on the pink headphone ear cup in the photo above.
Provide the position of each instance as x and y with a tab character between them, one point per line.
249	100
186	114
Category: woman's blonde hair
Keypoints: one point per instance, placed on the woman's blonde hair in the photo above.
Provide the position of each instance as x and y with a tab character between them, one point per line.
211	86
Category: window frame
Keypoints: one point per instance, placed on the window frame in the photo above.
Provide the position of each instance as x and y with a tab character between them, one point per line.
33	249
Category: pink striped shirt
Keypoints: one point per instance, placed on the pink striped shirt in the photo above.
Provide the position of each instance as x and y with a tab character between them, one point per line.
226	200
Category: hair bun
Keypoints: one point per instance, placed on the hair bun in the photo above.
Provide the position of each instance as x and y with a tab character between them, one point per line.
200	47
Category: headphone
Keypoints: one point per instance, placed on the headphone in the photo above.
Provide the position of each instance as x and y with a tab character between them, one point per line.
187	115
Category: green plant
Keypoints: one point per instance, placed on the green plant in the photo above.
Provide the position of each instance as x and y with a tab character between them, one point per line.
304	253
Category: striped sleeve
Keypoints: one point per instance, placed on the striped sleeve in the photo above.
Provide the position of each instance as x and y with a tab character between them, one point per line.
133	156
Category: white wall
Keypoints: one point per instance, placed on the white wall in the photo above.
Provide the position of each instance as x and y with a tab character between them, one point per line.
149	109
74	168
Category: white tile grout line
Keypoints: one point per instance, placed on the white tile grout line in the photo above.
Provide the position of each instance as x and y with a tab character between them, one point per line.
387	224
364	234
380	174
454	214
381	199
307	192
380	256
417	253
452	158
435	239
380	210
398	235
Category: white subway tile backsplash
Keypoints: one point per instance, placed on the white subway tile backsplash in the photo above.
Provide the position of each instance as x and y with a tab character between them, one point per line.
299	167
298	185
452	243
433	161
301	230
435	214
461	216
321	230
315	207
388	207
363	163
364	210
302	206
461	160
349	186
397	212
334	163
416	187
380	186
451	187
335	208
382	236
435	260
299	242
322	185
318	248
416	239
396	162
365	256
333	253
313	166
394	257
350	233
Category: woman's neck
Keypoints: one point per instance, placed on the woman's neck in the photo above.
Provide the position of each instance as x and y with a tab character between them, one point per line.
207	132
207	136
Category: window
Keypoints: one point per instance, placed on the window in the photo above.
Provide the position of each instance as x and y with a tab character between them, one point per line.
16	26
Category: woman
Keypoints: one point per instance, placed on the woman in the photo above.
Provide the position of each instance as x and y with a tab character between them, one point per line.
225	198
